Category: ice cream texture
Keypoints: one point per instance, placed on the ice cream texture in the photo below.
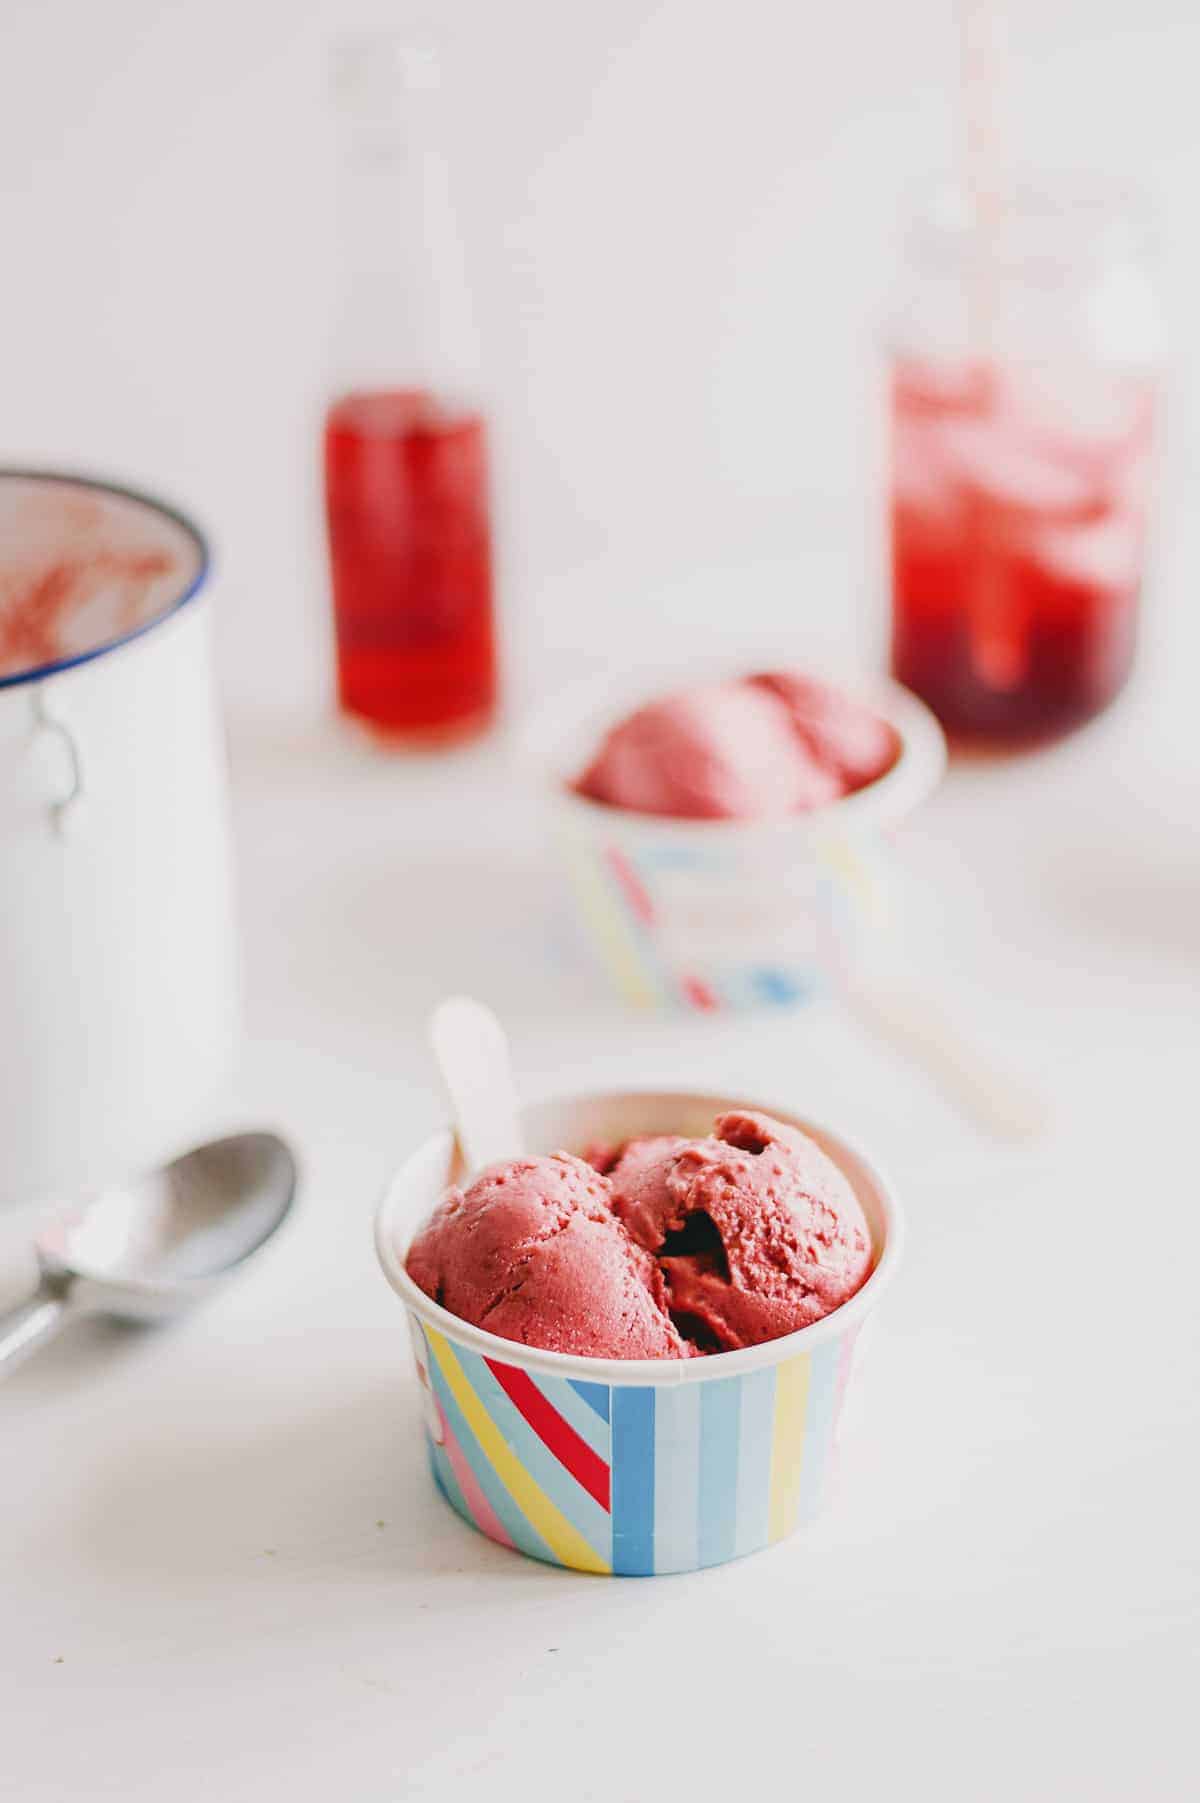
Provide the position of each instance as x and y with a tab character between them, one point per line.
758	747
533	1252
841	735
756	1231
665	1247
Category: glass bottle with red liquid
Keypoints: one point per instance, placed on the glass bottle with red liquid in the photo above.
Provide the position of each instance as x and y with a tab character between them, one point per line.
406	454
1022	469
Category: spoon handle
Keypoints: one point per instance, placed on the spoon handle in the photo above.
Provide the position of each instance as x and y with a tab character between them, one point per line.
995	1099
471	1049
27	1326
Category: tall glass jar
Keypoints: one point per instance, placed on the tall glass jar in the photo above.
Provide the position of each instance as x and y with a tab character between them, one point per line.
406	468
1025	377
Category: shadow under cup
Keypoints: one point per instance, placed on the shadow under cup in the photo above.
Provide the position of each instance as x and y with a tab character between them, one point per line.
631	1467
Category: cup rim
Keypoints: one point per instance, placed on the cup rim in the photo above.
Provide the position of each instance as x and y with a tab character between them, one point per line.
190	589
889	798
644	1372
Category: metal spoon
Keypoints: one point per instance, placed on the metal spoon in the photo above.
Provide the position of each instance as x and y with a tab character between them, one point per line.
149	1249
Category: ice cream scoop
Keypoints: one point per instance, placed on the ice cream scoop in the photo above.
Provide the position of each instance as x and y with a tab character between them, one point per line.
842	735
724	750
531	1250
755	1230
750	748
663	1248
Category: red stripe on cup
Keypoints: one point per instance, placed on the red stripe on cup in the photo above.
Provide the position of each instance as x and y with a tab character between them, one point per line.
699	994
632	888
569	1448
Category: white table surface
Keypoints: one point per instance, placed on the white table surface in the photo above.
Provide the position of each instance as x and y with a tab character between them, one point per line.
226	1571
223	1570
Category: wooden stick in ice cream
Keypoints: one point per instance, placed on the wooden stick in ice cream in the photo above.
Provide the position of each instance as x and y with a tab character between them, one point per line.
471	1049
910	1021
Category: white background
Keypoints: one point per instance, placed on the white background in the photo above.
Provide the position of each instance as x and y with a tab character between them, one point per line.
683	223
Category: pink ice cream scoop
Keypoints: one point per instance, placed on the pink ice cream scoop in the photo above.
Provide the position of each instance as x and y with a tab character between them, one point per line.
756	1232
724	751
841	734
532	1251
685	1246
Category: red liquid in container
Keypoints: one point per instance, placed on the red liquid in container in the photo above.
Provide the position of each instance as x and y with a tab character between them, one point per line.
1016	555
406	487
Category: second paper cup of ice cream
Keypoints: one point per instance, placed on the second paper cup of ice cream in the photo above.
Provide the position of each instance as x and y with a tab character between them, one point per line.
727	914
631	1467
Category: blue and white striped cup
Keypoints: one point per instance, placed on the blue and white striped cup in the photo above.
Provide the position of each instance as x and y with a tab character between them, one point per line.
630	1467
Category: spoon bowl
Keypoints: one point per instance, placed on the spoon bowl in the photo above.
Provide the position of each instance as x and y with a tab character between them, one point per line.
150	1248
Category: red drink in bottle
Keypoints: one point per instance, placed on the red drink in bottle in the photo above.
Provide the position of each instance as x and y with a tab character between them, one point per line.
405	442
406	487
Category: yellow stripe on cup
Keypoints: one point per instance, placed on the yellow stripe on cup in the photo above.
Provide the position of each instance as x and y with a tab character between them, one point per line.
606	922
840	857
787	1444
565	1542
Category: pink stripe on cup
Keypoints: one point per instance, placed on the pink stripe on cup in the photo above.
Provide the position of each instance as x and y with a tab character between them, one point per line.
845	1360
634	891
482	1512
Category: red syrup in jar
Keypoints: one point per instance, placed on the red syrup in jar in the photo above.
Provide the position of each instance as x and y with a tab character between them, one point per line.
406	488
1017	554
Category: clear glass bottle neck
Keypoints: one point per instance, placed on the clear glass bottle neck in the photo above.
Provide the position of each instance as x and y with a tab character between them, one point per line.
405	318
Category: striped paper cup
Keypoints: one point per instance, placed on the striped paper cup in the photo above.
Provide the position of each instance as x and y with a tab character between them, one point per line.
620	1466
727	914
